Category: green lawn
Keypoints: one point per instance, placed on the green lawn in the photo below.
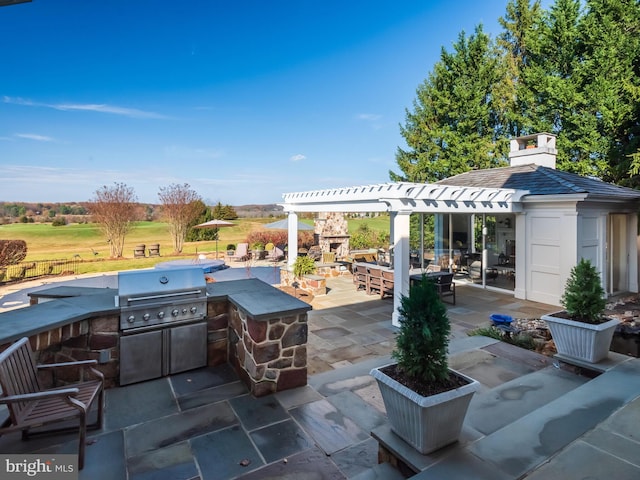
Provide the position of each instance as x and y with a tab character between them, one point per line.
46	242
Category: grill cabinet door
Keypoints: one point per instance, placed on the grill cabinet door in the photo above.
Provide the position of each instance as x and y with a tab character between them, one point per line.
140	357
188	347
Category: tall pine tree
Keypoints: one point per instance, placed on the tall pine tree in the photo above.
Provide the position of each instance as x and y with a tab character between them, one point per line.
453	125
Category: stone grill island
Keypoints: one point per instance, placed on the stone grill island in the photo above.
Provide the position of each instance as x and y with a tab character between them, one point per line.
256	328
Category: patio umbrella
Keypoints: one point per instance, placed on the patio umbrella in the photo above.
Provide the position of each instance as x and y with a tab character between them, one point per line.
215	223
284	225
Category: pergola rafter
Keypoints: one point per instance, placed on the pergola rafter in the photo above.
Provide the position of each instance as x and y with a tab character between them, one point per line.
416	197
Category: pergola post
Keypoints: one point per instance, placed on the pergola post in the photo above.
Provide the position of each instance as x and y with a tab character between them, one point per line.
292	239
400	261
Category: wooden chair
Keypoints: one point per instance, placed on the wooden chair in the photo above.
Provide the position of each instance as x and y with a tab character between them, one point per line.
387	283
139	251
328	257
360	276
375	280
154	250
30	405
445	286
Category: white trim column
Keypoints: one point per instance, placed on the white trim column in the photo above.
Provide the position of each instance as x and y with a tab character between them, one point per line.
632	228
401	225
522	255
292	239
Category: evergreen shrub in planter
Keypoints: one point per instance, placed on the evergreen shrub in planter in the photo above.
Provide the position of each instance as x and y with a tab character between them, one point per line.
581	331
426	402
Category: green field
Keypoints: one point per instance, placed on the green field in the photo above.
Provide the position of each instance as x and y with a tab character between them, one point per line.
46	242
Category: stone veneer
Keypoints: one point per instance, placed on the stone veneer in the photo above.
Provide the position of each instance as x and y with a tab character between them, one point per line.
331	233
92	339
269	354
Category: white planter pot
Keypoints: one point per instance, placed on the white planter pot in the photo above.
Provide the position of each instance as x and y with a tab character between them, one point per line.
582	341
425	423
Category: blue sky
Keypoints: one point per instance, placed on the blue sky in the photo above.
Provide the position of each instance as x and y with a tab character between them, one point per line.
242	100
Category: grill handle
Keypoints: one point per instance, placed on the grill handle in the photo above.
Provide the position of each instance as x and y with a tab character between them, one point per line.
165	295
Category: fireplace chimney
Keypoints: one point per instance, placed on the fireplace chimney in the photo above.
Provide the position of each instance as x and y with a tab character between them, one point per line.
539	148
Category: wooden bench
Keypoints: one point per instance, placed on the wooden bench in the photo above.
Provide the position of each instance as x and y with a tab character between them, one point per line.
32	406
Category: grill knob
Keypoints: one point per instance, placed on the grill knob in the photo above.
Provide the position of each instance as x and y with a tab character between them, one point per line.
146	316
131	318
160	314
175	312
193	309
184	311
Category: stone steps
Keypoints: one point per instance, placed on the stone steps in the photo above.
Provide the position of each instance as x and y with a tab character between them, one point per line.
551	410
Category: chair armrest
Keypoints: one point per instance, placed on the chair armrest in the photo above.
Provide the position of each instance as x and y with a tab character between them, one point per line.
67	364
87	364
29	397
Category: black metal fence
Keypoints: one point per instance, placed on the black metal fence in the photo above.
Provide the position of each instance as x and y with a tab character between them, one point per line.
41	268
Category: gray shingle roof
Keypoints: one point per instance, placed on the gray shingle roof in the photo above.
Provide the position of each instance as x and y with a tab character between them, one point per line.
538	180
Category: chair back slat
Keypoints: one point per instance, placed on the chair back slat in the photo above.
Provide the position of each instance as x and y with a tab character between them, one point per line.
18	375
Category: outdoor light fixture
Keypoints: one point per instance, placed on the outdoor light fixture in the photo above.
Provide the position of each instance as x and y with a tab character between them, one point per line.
5	3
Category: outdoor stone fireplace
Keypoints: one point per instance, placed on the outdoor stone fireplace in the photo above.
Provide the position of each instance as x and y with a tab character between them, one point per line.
332	233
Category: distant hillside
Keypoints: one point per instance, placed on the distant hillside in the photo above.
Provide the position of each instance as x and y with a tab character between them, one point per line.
257	211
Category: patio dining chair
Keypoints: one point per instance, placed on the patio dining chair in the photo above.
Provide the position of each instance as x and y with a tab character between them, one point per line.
375	280
360	276
31	405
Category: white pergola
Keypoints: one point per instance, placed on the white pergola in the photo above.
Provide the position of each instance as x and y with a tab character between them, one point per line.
400	200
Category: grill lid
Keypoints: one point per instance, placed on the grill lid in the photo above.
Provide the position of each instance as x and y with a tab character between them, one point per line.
135	284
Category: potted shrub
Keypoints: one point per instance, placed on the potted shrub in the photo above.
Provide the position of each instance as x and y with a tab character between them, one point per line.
581	331
304	266
426	401
257	250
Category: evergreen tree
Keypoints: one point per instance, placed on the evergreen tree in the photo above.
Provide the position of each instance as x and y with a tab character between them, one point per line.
610	69
565	71
518	44
224	212
453	126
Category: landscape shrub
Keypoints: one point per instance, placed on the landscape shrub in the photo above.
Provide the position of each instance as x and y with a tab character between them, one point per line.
366	237
12	252
59	222
279	238
583	297
304	266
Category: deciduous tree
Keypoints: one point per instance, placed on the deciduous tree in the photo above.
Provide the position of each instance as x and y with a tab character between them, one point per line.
12	252
114	208
181	205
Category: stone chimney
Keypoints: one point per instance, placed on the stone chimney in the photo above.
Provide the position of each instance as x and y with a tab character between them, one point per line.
539	148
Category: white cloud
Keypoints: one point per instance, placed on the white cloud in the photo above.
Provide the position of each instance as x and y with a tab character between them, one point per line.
368	117
86	107
298	158
33	136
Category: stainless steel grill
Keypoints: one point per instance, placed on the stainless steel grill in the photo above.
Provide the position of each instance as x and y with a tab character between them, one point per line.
152	298
162	316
